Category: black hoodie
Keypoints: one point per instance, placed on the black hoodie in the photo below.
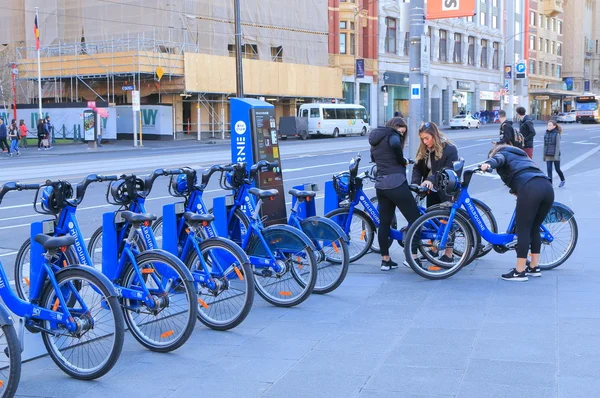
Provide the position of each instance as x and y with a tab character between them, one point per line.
514	167
386	152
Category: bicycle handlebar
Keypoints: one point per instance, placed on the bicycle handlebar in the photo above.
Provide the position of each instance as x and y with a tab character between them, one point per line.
260	166
15	186
83	185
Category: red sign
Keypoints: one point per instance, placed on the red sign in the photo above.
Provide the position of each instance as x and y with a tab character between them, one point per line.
91	104
438	9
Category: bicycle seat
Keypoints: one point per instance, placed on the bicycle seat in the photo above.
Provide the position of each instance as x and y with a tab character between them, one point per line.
194	218
263	193
137	218
52	243
301	196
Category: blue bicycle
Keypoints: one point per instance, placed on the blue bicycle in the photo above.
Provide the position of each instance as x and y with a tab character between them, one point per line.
75	308
433	229
156	289
219	267
10	355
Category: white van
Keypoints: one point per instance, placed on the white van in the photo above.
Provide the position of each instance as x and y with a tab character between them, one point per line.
335	119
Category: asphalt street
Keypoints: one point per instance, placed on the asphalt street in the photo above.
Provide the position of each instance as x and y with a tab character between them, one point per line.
312	161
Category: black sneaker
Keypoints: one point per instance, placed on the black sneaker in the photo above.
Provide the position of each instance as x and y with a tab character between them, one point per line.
535	272
388	265
416	260
446	259
513	275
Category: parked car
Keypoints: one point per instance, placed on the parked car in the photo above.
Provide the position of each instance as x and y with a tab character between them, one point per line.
567	117
464	121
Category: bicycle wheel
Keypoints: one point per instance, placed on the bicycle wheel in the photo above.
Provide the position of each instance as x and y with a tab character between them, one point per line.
565	232
23	264
361	232
10	361
490	222
228	303
157	230
333	257
95	247
375	245
428	231
93	350
170	323
294	281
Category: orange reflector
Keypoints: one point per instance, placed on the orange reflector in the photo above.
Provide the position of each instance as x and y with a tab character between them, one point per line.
443	222
27	281
272	198
167	334
64	263
146	223
238	273
202	303
1	383
308	198
335	248
63	249
147	270
187	230
285	294
363	234
55	306
434	268
204	223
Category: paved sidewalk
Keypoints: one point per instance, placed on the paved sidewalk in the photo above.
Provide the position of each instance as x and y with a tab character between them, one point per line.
390	335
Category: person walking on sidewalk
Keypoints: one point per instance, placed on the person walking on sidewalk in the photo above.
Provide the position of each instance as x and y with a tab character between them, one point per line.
3	136
527	130
535	197
507	131
41	133
435	153
552	150
23	132
49	132
391	185
13	136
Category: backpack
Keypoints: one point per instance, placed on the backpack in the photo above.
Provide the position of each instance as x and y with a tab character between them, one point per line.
519	140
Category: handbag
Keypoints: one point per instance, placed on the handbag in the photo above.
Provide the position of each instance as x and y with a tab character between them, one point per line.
45	142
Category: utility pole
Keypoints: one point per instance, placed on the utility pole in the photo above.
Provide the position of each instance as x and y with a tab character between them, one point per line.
354	44
238	51
509	56
415	114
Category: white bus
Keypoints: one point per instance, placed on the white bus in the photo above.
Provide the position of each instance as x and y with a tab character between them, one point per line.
335	119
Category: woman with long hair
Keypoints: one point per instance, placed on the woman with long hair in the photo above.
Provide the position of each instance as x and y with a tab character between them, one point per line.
391	184
552	150
435	153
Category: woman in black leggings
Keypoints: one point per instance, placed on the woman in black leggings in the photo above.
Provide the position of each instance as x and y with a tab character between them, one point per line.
535	197
391	184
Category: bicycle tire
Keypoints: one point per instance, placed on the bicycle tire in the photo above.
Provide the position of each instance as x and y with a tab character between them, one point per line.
246	270
95	247
474	232
416	226
107	302
171	340
571	247
21	270
12	351
375	245
157	229
367	233
487	213
333	255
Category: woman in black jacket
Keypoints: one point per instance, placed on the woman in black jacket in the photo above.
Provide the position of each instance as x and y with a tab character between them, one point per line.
535	197
435	153
391	184
552	150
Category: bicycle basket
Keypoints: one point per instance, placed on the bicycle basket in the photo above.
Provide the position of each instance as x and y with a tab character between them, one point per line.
124	191
178	186
53	198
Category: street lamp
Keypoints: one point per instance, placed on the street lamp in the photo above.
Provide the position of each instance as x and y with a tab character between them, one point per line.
355	42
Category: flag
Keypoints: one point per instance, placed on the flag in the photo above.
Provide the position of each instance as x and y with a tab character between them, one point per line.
36	32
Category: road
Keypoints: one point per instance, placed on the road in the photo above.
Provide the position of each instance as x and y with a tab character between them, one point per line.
314	161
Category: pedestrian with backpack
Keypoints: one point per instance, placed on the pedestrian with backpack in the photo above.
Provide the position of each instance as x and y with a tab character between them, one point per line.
508	135
527	130
552	150
13	136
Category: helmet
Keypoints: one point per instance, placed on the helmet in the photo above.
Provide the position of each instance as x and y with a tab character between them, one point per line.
448	182
53	196
124	191
179	185
341	183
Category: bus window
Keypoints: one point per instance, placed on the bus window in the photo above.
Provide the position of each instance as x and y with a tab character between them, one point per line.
305	113
329	114
314	113
344	113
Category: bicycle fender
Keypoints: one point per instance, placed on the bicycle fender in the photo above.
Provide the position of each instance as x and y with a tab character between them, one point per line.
361	212
5	318
231	244
318	228
281	233
176	261
559	213
112	292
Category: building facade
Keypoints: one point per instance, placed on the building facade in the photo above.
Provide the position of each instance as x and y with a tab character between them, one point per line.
581	63
353	34
466	61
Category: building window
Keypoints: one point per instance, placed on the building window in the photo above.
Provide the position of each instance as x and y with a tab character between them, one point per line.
552	47
532	66
351	25
547	23
558	71
249	51
342	43
540	68
596	46
484	53
470	19
552	70
560	27
532	18
531	42
547	68
471	51
541	20
352	43
546	45
443	43
496	57
277	54
541	44
390	35
457	48
343	25
558	49
554	24
482	17
494	22
406	43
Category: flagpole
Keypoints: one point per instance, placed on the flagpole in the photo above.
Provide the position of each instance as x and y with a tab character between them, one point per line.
39	72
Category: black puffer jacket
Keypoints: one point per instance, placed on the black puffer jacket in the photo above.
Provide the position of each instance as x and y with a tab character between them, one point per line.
526	128
386	152
514	167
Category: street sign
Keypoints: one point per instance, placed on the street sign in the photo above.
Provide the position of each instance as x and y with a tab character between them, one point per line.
360	68
521	69
506	84
159	72
425	55
385	98
135	100
415	91
128	88
438	9
91	104
508	72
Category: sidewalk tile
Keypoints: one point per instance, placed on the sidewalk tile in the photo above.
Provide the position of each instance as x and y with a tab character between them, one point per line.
488	390
415	380
449	319
376	342
341	363
511	373
578	387
521	315
300	330
278	348
580	326
236	368
517	332
440	337
208	387
429	356
395	394
533	349
320	385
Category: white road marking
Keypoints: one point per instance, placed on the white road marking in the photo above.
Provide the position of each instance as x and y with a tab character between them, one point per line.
581	158
584	143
